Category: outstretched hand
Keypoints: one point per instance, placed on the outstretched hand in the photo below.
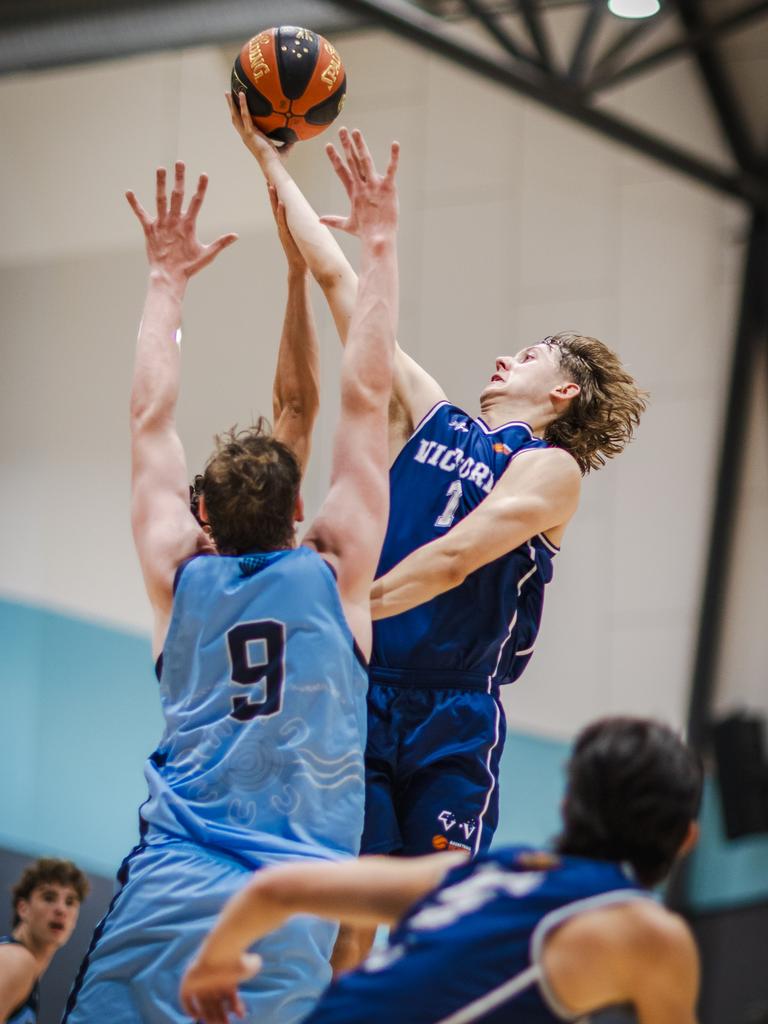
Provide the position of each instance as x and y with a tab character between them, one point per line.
256	141
373	196
172	243
209	994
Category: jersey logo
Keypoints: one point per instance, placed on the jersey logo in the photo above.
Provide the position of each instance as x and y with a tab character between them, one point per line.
502	449
457	423
452	460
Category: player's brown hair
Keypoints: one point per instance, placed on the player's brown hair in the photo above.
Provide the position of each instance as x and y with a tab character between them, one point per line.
47	871
602	418
250	485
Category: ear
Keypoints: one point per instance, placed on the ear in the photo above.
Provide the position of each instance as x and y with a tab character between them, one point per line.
298	510
691	838
202	511
22	909
563	394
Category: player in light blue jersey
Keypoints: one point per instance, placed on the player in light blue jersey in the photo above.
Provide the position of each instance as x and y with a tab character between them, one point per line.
522	936
46	905
478	509
261	645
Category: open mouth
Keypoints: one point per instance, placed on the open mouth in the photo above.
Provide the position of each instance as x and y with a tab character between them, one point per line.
497	377
56	926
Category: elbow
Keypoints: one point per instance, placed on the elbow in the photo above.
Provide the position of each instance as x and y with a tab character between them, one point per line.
453	568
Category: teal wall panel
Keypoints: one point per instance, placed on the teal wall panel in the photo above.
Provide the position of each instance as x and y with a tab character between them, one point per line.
80	714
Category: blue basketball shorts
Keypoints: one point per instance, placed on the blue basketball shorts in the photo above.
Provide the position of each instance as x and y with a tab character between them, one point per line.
432	763
172	892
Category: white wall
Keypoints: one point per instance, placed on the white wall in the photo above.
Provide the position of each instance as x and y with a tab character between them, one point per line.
515	223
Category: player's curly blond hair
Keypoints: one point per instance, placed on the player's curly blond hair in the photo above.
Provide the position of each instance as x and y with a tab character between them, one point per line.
602	418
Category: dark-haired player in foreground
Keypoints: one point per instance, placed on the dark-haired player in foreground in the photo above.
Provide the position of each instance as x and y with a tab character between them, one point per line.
261	644
520	935
478	510
46	905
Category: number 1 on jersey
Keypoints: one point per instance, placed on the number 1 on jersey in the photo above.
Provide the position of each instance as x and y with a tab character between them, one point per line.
256	653
454	497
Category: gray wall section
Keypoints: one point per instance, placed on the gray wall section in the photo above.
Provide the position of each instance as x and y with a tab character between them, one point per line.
58	979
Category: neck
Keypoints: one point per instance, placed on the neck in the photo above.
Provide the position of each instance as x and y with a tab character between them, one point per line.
497	411
42	952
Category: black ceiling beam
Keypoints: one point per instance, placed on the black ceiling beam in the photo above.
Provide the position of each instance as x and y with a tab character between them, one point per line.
491	24
608	60
716	80
413	23
717	26
537	31
589	28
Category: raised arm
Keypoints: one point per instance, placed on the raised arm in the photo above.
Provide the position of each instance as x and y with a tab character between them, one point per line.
164	530
349	529
413	388
370	891
537	493
296	389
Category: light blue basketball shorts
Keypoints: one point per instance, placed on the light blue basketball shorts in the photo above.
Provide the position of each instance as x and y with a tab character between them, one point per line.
172	892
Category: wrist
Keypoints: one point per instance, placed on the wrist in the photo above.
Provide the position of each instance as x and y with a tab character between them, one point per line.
298	273
380	240
174	284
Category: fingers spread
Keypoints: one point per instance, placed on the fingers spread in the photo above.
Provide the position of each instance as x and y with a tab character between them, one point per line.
177	196
138	209
162	202
197	199
339	167
394	160
364	159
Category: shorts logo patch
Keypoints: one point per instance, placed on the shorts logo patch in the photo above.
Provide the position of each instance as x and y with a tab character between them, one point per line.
464	829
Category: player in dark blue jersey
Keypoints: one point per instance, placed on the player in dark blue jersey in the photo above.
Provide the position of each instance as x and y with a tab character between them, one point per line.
479	506
261	646
521	936
46	905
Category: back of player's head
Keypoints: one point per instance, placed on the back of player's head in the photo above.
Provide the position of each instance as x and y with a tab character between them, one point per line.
250	484
633	790
48	871
601	419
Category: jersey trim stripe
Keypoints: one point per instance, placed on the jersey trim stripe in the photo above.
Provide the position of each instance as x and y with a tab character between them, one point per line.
548	543
478	1008
512	423
557	917
491	678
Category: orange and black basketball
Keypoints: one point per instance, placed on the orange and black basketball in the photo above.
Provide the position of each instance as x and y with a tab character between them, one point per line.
294	82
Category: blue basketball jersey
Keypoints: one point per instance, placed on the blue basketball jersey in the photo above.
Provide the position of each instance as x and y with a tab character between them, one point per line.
263	693
471	950
26	1012
487	626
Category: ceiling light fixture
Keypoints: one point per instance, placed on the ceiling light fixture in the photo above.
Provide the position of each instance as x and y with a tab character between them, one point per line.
634	8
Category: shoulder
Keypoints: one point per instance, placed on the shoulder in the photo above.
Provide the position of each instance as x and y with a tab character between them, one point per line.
542	467
624	952
18	972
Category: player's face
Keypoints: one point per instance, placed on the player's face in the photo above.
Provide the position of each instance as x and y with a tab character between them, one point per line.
531	374
50	913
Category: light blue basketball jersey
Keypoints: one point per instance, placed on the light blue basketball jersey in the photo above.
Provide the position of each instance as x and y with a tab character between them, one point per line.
471	949
263	693
26	1012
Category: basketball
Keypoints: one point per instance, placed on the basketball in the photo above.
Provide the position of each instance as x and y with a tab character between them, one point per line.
294	82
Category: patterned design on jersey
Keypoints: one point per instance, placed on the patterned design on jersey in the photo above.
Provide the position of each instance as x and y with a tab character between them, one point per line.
264	704
470	951
486	627
26	1012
